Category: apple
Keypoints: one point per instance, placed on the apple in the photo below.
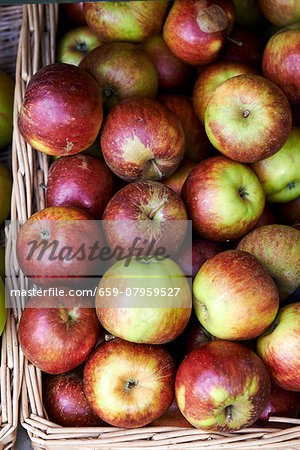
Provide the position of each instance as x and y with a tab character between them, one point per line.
129	385
149	212
174	75
58	332
128	21
224	198
5	192
54	246
278	248
248	118
197	336
228	292
75	44
289	211
74	11
195	30
279	174
247	12
211	77
279	12
279	348
244	46
282	403
122	71
222	386
142	139
65	402
2	264
7	88
280	62
176	181
148	301
3	310
171	418
197	143
62	110
267	218
81	181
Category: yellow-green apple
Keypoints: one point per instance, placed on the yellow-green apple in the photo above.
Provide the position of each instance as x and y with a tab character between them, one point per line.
171	418
81	181
195	30
247	12
244	46
176	181
62	110
289	211
174	75
75	44
234	296
122	70
280	12
279	174
7	87
222	386
211	77
128	21
58	332
197	143
5	192
74	12
142	139
278	249
280	62
3	310
147	301
54	246
65	402
149	213
279	348
129	385
248	118
224	198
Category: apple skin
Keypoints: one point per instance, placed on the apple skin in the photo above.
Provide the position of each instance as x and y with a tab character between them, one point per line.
221	292
129	385
65	402
280	61
142	139
7	87
222	386
81	181
282	403
171	418
197	143
211	77
248	13
122	70
174	76
176	181
279	348
3	310
195	30
278	248
74	11
244	46
2	263
144	319
289	211
248	118
279	175
62	110
279	12
135	21
61	224
223	198
5	192
75	44
57	334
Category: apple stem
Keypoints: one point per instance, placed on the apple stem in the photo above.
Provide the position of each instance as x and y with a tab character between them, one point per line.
228	411
109	337
234	41
160	205
157	168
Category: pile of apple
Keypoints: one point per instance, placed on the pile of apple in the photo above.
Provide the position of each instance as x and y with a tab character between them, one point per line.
192	126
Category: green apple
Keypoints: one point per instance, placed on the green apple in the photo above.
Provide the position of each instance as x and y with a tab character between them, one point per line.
279	175
6	109
3	311
75	44
5	192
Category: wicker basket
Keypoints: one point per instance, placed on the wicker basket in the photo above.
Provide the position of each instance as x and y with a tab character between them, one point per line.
10	24
37	48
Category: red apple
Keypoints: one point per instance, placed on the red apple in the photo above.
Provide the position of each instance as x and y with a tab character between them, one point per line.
65	402
75	12
196	336
282	403
129	385
244	46
62	110
222	386
142	139
176	181
280	12
171	418
57	332
195	30
81	181
75	44
267	218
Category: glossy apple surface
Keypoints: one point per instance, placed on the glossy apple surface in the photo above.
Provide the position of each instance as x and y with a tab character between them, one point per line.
7	87
282	403
3	310
75	12
222	386
278	249
279	12
176	181
142	139
248	118
279	348
224	198
129	385
62	110
81	181
5	192
75	44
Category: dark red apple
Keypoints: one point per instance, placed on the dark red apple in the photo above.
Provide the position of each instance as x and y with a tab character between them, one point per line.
244	46
62	110
75	12
289	211
282	403
81	181
196	336
176	181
